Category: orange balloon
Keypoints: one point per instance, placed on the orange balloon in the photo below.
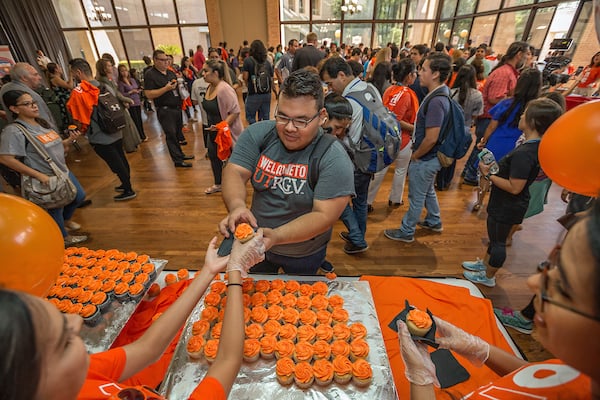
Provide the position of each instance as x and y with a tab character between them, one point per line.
570	150
31	246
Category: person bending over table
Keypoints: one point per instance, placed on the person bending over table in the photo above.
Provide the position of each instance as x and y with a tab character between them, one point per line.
43	356
567	320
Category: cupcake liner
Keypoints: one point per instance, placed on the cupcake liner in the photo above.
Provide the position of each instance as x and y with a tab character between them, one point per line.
93	319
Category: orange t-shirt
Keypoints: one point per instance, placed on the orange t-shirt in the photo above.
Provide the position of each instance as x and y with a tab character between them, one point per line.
546	380
403	102
82	101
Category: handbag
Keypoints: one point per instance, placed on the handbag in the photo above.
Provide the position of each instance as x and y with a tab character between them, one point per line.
58	192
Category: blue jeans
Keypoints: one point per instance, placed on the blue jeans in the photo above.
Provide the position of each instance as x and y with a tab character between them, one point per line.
60	215
260	103
470	170
421	175
355	217
308	265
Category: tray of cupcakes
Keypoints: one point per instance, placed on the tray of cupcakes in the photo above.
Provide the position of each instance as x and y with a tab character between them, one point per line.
104	287
316	340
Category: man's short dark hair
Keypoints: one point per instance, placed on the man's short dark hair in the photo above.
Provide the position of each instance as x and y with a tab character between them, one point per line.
439	46
421	48
442	63
303	83
357	68
291	43
333	66
338	107
79	64
356	52
157	53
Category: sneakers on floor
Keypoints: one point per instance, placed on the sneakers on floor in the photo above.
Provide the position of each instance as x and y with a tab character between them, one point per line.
480	278
514	319
476	266
119	188
345	237
72	226
427	225
327	267
351	248
125	196
398	235
213	189
72	240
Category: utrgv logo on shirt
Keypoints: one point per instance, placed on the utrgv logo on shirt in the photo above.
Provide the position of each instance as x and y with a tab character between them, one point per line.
289	178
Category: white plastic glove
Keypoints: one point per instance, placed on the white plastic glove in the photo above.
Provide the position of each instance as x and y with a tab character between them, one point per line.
245	255
471	347
419	369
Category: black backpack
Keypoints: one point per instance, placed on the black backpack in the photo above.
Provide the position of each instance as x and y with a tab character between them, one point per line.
111	116
261	79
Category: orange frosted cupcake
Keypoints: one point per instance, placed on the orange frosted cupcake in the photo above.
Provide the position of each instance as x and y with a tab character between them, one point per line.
288	331
251	350
93	286
154	290
418	322
290	316
103	275
101	300
91	315
277	284
258	299
150	269
336	301
248	286
210	314
72	281
254	331
323	317
65	305
142	259
306	333
342	369
247	314
218	287
319	303
289	300
339	315
130	256
275	312
212	299
245	299
274	297
304	375
111	265
358	331
108	286
324	332
65	292
267	347
135	268
244	232
215	332
262	286
284	370
272	328
322	350
142	278
210	350
359	348
340	348
200	328
323	371
127	277
292	287
284	348
170	279
303	351
122	292
183	274
305	290
320	287
341	332
308	317
259	314
136	291
76	308
195	347
54	301
303	303
123	266
362	374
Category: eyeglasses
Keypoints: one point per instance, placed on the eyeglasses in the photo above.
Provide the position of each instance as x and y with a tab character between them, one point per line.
296	123
137	393
28	104
552	263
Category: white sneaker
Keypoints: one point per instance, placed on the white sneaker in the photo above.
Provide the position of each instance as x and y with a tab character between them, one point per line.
72	225
71	240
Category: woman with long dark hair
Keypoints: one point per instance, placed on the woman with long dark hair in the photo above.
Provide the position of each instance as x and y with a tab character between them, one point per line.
130	88
62	89
258	100
382	76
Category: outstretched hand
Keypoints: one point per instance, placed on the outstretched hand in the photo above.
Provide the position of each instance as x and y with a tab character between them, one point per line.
212	260
236	216
419	369
245	255
471	347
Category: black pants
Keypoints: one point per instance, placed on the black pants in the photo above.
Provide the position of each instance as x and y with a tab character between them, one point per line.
115	158
215	162
444	176
497	233
136	116
171	121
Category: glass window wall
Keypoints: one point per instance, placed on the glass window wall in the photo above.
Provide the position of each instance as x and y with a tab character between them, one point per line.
160	12
366	12
130	12
70	14
390	9
488	5
513	26
355	34
385	33
329	32
99	13
422	9
481	31
189	12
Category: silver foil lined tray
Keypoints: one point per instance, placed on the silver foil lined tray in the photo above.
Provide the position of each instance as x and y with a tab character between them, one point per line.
258	380
100	337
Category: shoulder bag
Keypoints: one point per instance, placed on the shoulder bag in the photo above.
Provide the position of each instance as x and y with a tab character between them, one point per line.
58	192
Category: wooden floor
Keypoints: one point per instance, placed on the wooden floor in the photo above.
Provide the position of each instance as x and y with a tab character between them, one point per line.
173	219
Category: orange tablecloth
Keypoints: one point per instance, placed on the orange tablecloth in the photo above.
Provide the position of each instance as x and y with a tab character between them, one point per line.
453	304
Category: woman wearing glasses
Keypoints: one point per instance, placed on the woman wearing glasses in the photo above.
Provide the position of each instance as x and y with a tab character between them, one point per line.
220	104
19	155
567	321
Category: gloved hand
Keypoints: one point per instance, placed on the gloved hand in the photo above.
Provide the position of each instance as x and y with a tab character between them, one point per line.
420	370
245	255
471	347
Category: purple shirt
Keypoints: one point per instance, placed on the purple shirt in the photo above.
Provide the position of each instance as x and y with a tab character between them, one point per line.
125	89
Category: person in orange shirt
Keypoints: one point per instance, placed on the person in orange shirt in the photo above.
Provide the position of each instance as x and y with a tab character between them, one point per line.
567	320
44	356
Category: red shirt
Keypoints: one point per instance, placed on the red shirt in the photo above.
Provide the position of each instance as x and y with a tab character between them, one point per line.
499	84
403	102
199	60
589	76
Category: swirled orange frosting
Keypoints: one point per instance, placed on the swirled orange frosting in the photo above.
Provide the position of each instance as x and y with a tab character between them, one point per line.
121	288
111	265
88	311
285	348
305	290
320	287
331	276
358	330
292	286
319	302
247	314
210	313
104	275
98	298
275	312
142	259
289	300
339	315
247	285
258	299
95	271
322	349
336	301
262	286
218	287
340	348
323	370
360	348
84	281
243	231
304	351
136	289
65	292
108	285
342	365
132	255
195	344
324	332
65	305
420	318
135	268
308	317
170	279
268	343
211	347
303	302
259	314
306	332
290	315
277	284
75	308
362	369
288	331
272	327
212	299
304	372
254	331
324	317
54	301
93	286
215	332
123	265
251	347
148	268
200	327
341	332
285	366
142	278
183	274
274	297
74	280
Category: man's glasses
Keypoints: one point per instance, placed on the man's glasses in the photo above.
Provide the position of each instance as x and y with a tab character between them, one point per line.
297	123
553	262
28	104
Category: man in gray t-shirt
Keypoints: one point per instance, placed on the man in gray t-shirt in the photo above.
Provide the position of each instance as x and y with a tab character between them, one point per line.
296	213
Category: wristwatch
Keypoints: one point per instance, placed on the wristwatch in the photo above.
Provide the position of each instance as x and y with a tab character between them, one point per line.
487	177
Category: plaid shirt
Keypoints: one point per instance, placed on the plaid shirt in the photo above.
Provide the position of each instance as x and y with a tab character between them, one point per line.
499	84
